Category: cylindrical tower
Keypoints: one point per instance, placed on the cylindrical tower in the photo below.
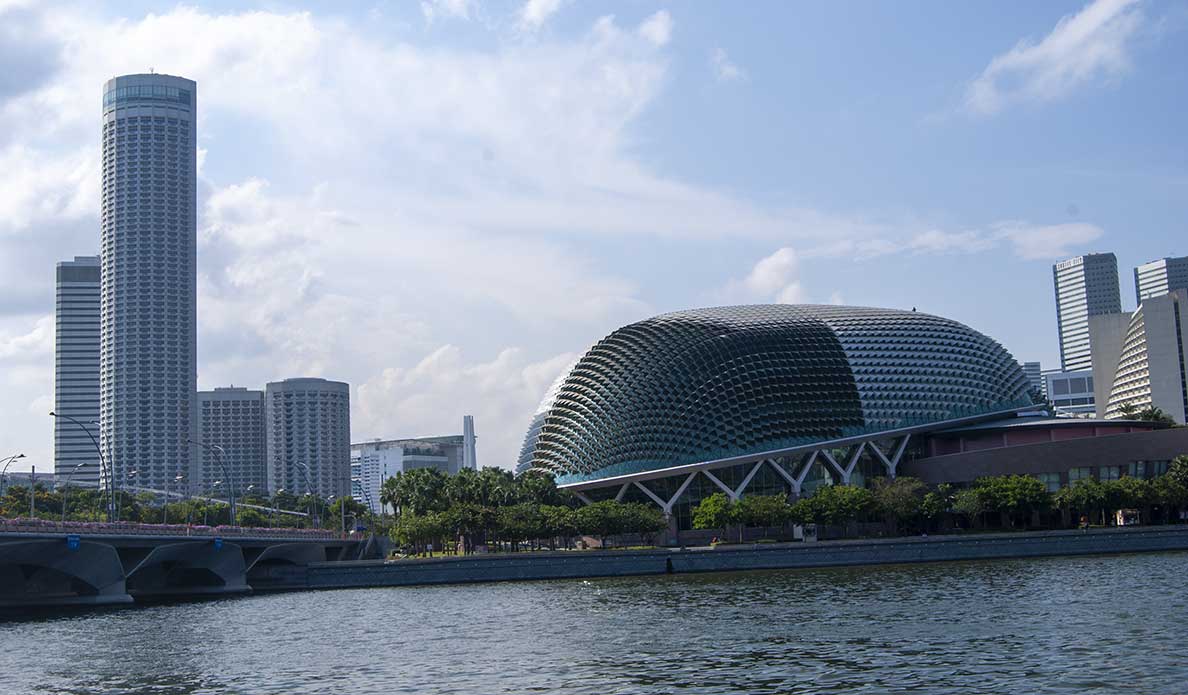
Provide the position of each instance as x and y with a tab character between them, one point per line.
148	308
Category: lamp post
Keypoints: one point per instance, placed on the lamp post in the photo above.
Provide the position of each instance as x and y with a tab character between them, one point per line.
219	452
205	507
313	507
4	473
128	478
366	498
66	488
272	516
103	468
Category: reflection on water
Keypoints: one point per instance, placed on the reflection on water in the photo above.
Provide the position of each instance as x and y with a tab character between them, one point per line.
1077	625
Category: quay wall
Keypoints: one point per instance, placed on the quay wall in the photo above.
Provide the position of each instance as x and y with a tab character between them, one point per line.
591	564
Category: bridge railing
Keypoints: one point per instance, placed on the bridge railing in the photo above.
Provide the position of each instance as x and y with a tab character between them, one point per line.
124	528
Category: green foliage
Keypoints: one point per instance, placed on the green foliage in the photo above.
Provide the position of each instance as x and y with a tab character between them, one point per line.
1155	414
600	519
762	510
714	512
899	499
246	516
971	503
1014	494
936	502
1177	472
840	504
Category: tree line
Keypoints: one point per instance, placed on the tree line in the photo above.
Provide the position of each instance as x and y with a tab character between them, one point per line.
493	508
910	503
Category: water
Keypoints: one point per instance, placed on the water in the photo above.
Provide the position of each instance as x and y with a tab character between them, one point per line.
1076	625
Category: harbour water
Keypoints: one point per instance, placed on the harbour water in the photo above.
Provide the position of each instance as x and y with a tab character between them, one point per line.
1099	624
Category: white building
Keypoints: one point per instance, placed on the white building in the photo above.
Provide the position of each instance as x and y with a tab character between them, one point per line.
307	434
377	460
1071	393
1035	374
76	370
232	418
149	236
1159	277
1151	369
1085	286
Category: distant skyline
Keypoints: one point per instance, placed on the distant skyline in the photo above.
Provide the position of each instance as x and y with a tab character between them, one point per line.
444	203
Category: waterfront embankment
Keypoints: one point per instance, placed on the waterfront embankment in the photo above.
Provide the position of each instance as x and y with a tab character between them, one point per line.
591	564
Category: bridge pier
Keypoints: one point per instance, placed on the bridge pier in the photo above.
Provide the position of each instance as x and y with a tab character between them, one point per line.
189	568
55	573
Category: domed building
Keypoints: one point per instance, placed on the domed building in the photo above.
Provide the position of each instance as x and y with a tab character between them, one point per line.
769	399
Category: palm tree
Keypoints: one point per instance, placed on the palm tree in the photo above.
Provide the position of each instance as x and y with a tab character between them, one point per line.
1155	414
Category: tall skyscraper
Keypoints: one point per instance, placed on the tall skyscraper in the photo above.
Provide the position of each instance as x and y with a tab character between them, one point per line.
232	418
149	235
1159	277
308	436
1085	286
469	458
76	370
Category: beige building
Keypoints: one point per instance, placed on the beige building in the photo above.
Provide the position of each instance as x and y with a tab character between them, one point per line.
1145	365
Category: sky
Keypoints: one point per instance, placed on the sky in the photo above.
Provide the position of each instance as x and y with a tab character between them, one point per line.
445	202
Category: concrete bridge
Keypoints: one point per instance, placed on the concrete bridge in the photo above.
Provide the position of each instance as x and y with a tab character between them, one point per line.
47	567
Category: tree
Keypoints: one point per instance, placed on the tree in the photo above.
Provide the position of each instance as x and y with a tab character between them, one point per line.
419	530
714	512
1014	495
1084	497
763	510
898	500
246	516
561	522
971	503
936	502
600	519
1155	414
1178	470
642	519
839	505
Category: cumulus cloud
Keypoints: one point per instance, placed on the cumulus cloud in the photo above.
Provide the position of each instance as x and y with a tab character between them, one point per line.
774	278
724	68
657	28
534	13
1088	47
447	9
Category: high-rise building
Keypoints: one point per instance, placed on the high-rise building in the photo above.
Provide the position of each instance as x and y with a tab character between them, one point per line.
1085	286
469	459
76	370
307	432
232	418
1159	277
148	221
1035	374
1152	368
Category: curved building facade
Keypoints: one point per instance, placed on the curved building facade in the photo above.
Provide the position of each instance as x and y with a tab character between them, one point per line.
147	371
716	384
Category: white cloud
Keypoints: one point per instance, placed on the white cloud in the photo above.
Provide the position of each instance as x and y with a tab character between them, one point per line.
1090	46
449	9
936	241
534	13
724	68
657	28
774	278
1047	242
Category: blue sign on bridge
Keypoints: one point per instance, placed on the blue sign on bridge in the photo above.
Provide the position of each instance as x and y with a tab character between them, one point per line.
72	542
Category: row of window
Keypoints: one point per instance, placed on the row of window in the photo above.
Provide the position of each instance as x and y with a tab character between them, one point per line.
146	92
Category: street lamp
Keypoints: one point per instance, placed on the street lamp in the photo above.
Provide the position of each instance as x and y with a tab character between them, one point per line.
272	516
66	488
313	509
4	473
103	468
218	452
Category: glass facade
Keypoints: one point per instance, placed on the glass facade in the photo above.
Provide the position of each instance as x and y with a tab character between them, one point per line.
146	92
707	384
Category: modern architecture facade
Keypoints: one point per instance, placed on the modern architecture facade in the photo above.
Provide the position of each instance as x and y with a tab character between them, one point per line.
765	399
1085	286
1152	370
231	419
1071	393
148	231
307	435
1035	376
380	459
1159	277
76	370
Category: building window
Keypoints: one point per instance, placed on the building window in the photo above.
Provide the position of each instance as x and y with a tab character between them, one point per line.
1082	473
1137	469
1107	473
1050	480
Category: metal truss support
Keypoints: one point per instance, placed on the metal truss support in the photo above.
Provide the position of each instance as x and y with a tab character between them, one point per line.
725	488
622	491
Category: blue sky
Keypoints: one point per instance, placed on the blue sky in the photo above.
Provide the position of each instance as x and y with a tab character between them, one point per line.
444	203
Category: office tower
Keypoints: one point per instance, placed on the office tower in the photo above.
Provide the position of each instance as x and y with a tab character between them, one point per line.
469	459
307	430
1035	375
148	221
76	370
1107	333
231	418
1085	286
1152	369
1157	278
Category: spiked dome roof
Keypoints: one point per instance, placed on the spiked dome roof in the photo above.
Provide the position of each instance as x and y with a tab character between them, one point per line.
704	384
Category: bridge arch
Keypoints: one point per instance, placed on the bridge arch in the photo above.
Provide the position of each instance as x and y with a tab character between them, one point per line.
189	568
49	572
